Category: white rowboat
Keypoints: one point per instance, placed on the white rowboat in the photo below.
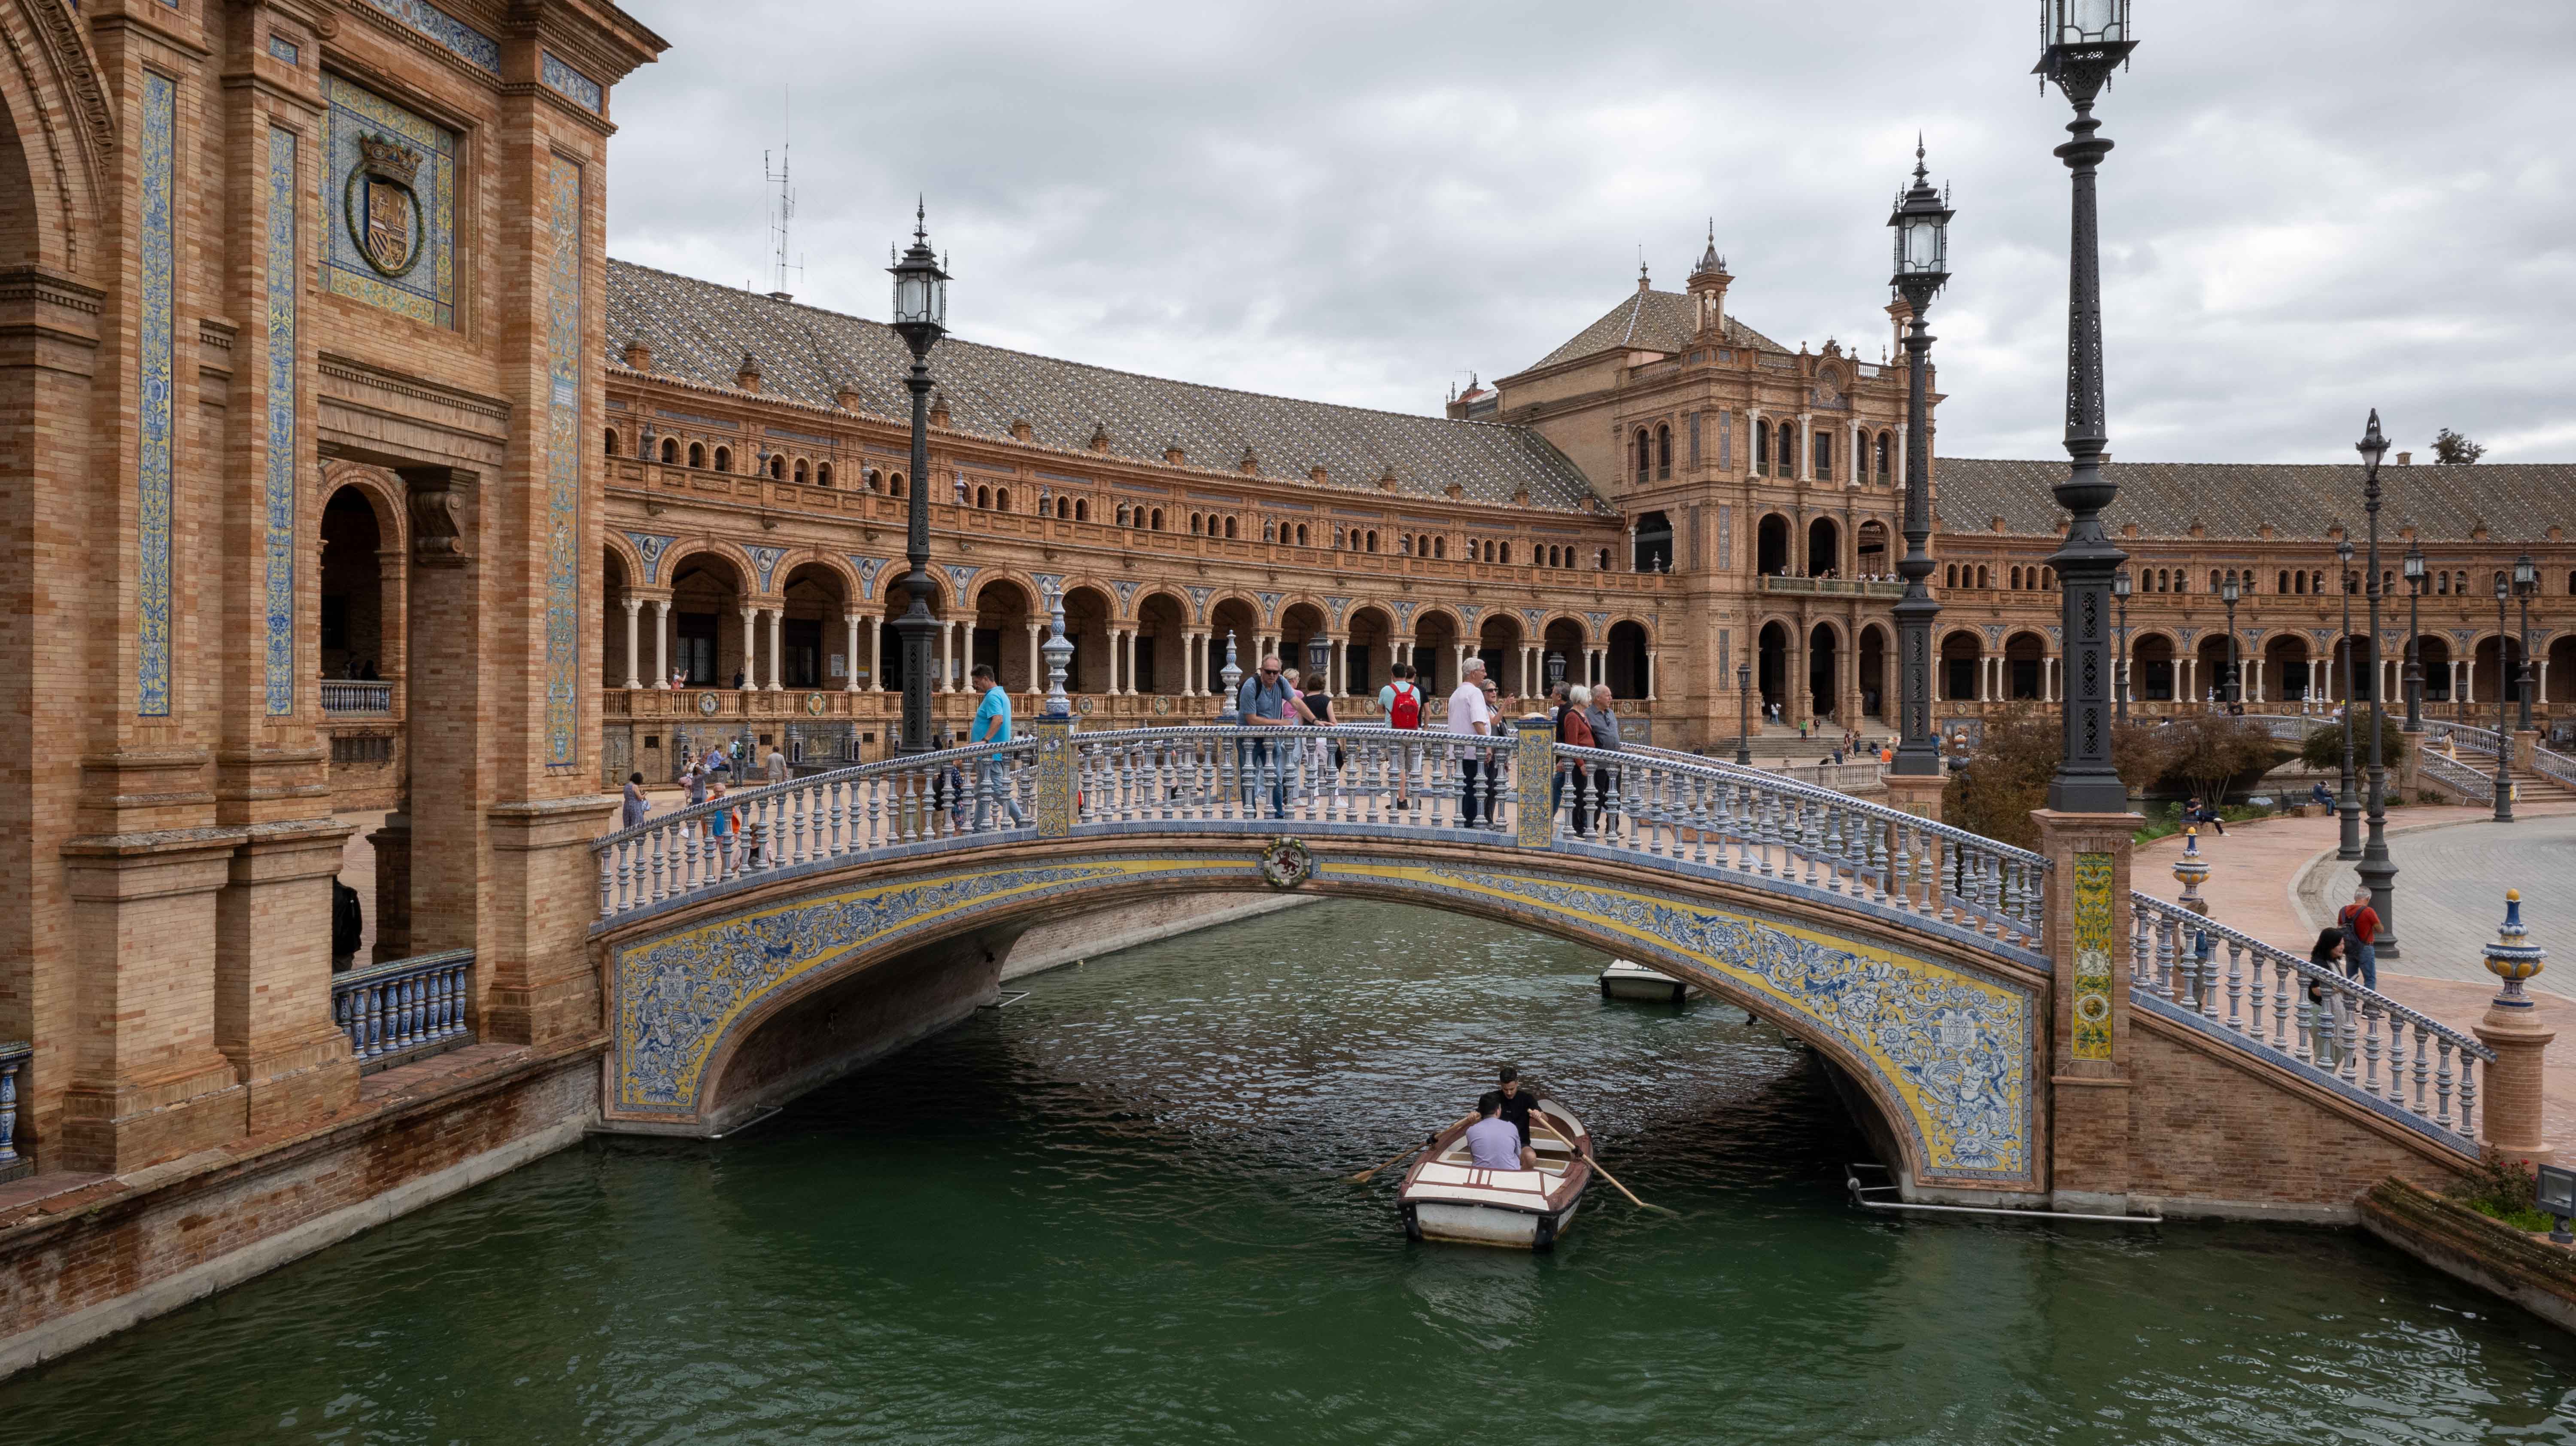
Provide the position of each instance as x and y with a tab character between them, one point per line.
1445	1197
1625	980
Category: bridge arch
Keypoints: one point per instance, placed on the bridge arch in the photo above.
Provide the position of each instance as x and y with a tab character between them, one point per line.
1940	1035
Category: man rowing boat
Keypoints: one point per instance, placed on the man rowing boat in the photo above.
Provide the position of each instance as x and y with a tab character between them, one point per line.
1517	1102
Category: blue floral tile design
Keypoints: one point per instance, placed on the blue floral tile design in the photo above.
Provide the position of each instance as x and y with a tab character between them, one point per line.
155	154
564	454
574	86
286	50
468	44
280	530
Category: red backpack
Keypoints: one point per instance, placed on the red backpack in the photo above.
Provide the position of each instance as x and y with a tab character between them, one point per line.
1405	709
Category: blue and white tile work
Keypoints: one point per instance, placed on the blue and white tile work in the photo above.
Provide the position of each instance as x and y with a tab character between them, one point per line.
286	50
564	454
574	86
649	548
424	289
155	157
282	397
462	40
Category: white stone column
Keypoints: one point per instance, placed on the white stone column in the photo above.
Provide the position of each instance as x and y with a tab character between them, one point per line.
1128	670
634	612
750	647
1806	446
876	659
1037	673
2539	680
662	643
777	648
947	655
1189	663
850	654
1655	672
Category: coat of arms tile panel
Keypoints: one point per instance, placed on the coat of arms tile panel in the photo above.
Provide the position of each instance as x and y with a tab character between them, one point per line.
389	198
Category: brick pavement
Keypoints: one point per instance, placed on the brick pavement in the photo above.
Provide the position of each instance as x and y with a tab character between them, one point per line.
2253	881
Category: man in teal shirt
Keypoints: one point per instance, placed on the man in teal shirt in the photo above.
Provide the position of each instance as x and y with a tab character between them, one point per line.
992	725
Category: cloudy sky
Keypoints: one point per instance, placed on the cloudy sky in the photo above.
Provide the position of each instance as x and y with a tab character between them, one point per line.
2314	208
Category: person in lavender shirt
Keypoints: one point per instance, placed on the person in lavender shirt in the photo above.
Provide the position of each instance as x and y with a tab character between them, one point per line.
1492	1143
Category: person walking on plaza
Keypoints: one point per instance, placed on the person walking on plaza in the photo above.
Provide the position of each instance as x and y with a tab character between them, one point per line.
1265	701
1402	703
348	925
1605	736
992	725
2360	925
775	765
637	805
1468	719
1574	730
693	785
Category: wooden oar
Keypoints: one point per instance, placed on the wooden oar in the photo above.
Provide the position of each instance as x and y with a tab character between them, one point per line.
1364	1176
1550	1126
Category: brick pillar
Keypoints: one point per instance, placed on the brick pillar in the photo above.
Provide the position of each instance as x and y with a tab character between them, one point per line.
2526	750
2088	1095
2515	1114
392	844
273	1016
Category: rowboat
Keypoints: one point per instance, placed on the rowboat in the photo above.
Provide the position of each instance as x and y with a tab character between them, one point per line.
1445	1197
1625	980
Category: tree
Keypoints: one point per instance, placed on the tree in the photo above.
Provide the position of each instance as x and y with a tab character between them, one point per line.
2323	747
1994	792
2208	751
2453	450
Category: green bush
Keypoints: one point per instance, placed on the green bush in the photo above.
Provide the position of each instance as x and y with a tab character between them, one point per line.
2501	1189
2323	747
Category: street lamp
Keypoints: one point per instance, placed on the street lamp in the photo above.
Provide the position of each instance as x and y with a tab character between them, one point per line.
1922	225
2414	566
2120	675
2348	802
2377	870
2504	740
2082	41
921	319
2228	592
2526	581
1744	714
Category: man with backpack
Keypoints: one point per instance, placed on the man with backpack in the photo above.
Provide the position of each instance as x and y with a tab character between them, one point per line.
1402	702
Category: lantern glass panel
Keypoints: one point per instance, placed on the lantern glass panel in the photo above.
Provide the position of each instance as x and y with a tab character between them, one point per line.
2415	567
2120	583
2554	1189
2524	574
2088	22
911	296
1923	244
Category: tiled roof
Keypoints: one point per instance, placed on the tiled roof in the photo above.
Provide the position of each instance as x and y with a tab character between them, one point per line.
699	332
1652	321
2516	501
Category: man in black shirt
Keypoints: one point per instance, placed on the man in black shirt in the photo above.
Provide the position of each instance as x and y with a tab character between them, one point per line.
1518	1100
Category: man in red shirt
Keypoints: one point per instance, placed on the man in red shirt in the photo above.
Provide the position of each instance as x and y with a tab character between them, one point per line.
2360	925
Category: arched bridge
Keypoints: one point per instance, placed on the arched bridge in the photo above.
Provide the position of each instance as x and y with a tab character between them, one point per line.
1911	956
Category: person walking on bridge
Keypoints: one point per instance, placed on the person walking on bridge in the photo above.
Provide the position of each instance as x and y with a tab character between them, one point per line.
1468	718
992	724
1402	702
1605	736
2360	925
1266	700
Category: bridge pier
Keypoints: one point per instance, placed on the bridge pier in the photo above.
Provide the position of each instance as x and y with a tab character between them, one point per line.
2089	1105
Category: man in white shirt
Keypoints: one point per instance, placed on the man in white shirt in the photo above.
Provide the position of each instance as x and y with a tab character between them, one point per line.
1469	715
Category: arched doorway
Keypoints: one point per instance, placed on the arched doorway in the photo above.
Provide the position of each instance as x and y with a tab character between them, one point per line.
2558	685
1824	548
1435	652
1654	550
1771	671
2499	669
813	638
2151	676
1299	625
2433	658
1962	668
707	594
1824	656
1006	636
1771	546
2284	669
353	624
1871	557
1561	653
898	601
1236	618
1162	626
1369	651
616	586
1498	642
1626	665
1873	672
2025	667
1087	613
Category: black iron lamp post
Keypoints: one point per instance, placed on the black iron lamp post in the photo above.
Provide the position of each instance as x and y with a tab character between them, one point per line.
2120	671
2526	581
921	319
1744	714
2082	42
1922	225
2504	740
2229	692
2347	802
2414	679
2377	870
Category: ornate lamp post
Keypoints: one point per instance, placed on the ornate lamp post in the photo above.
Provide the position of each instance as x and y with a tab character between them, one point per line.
2347	802
2526	581
2232	691
1922	226
1744	714
921	319
2377	870
2120	672
2414	680
2504	740
2082	42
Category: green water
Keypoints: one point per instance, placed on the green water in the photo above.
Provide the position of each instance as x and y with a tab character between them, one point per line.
1109	1213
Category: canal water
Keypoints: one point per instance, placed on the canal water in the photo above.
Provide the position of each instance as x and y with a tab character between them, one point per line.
1111	1212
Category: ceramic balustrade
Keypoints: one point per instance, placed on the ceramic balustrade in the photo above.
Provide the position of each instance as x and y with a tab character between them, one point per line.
403	1009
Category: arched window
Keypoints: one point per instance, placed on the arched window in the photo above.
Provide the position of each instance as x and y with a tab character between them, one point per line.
1229	527
1602	563
1788	440
2015	583
1372	540
1507	554
1644	454
778	466
1762	447
1982	583
697	454
612	441
2283	583
1886	459
894	483
724	459
802	472
1158	521
2213	579
822	474
1663	451
984	498
2182	580
671	451
1823	448
1950	576
2459	581
2048	579
1001	499
1301	534
1082	509
1440	548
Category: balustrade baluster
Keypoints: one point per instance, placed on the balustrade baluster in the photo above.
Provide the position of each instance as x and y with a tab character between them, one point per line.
2470	1124
2235	986
2347	1038
2372	1014
2423	1065
375	1020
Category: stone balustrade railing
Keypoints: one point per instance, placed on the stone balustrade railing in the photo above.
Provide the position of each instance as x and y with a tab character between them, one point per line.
404	1009
1832	586
13	1063
2452	776
2312	1019
1647	807
341	696
2556	766
2466	737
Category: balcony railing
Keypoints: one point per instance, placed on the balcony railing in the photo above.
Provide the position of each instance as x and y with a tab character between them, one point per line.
341	698
1830	587
405	1009
13	1064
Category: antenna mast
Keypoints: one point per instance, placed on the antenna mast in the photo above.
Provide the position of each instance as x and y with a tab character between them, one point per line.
783	209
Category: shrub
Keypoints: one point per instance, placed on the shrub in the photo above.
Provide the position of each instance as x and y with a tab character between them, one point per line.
2323	747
